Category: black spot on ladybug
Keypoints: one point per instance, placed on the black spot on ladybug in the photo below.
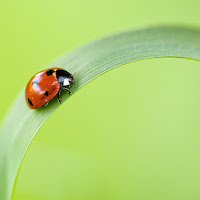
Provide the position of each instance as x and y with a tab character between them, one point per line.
34	84
46	93
49	72
30	102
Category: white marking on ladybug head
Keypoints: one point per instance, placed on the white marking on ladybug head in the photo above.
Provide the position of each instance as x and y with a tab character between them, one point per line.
66	82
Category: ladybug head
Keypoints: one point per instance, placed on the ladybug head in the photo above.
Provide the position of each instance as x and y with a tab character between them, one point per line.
70	80
65	79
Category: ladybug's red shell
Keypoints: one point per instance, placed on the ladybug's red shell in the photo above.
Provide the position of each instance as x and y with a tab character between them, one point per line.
42	87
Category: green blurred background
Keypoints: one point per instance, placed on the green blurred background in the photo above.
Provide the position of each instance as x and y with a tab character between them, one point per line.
132	133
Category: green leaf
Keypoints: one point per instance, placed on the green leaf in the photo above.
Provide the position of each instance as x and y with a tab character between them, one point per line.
86	63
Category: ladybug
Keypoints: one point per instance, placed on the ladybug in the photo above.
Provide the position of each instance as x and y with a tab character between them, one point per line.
45	85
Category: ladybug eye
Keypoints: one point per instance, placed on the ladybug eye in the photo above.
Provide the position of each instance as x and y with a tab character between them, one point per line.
71	80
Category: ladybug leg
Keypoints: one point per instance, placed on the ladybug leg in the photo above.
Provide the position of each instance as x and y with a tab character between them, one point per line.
58	97
46	103
67	90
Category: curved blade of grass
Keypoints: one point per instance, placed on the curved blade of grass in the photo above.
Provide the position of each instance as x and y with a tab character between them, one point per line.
86	63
